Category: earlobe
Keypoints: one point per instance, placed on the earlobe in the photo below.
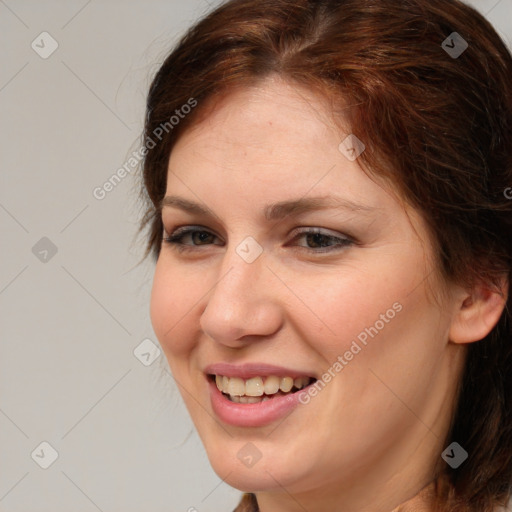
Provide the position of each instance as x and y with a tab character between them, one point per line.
478	312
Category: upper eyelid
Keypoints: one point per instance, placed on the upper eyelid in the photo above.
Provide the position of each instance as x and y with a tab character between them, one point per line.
187	229
319	231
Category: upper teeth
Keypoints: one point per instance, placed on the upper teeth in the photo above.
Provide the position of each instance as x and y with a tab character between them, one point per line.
255	386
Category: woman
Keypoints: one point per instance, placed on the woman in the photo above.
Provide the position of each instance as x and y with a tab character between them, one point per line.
327	204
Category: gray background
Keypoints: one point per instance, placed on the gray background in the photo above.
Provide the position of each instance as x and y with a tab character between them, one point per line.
72	320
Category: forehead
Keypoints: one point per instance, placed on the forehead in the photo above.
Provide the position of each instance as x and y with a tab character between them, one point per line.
274	138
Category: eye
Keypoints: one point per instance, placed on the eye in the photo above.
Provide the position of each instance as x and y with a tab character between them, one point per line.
188	237
318	241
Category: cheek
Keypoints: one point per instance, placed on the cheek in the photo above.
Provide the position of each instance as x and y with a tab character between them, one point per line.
345	307
172	310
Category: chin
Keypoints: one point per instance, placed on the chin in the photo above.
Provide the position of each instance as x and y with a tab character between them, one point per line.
240	467
253	479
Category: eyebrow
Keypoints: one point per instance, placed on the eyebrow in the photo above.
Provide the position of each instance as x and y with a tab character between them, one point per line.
275	211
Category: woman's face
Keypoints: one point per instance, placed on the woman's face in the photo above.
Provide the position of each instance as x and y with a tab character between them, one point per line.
298	266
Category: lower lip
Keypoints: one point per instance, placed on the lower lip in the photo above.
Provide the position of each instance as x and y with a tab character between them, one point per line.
252	415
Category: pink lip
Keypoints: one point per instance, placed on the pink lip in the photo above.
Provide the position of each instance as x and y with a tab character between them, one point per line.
252	415
249	370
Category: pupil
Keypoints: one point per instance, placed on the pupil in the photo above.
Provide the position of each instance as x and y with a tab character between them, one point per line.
316	239
201	236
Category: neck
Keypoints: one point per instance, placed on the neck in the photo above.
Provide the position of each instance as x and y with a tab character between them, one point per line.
423	501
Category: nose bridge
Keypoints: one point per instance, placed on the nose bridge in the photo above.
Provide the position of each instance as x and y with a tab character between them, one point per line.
241	302
238	283
244	264
242	270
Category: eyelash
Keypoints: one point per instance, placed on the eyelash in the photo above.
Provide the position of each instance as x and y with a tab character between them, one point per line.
175	240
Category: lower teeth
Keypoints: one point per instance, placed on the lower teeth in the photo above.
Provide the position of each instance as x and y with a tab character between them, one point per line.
253	399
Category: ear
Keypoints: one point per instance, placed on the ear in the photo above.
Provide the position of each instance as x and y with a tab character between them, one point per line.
478	311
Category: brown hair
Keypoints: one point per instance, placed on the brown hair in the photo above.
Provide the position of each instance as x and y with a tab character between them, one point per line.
438	125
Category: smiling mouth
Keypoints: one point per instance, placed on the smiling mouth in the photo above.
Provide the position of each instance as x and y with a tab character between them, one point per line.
258	389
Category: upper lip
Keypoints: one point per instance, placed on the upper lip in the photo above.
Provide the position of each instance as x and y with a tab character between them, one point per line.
249	370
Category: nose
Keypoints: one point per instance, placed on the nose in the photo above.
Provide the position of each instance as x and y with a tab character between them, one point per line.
243	305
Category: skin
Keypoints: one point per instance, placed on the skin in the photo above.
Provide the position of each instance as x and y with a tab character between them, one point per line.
370	440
